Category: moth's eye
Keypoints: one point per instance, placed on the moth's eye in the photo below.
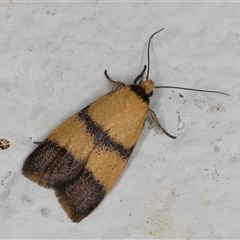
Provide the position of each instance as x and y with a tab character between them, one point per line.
150	94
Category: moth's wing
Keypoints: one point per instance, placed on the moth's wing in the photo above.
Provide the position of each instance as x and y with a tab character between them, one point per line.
82	196
115	124
61	157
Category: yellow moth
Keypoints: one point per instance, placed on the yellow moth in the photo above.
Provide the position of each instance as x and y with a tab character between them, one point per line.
83	157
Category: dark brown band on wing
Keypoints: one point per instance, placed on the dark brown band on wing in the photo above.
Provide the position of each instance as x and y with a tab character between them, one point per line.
80	198
101	137
51	165
140	92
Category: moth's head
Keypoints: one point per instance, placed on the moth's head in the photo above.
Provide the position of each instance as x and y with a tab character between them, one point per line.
148	86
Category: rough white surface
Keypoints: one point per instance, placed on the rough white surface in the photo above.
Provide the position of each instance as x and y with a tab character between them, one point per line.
53	56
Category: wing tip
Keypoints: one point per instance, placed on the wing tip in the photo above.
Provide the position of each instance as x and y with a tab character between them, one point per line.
68	206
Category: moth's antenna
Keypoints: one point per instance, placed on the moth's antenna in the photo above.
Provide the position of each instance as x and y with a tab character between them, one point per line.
193	89
182	88
148	51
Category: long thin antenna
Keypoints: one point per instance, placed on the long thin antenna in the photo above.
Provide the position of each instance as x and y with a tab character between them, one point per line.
192	89
148	51
182	88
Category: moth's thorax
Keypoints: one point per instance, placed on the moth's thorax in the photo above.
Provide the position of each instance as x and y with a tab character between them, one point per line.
147	85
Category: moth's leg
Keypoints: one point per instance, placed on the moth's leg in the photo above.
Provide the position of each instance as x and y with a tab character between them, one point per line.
157	124
115	84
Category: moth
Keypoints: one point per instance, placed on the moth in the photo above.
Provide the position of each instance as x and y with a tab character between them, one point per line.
83	157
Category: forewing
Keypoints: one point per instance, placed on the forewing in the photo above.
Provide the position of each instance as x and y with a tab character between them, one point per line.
60	159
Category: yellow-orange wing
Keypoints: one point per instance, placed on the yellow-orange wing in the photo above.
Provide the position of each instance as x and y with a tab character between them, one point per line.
83	157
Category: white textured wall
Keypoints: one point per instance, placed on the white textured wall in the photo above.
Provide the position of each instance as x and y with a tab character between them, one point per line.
52	59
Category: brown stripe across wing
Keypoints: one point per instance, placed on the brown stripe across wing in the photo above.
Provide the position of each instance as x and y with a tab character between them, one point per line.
101	137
